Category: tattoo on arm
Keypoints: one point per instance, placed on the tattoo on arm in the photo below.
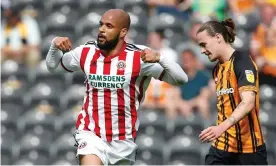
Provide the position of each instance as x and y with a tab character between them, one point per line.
244	105
232	119
241	105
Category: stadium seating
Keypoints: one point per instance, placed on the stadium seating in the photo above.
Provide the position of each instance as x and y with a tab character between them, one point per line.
138	7
9	116
152	123
67	121
88	24
65	6
190	126
35	5
11	68
98	6
268	93
247	22
271	149
63	150
74	95
184	150
173	28
242	41
7	150
45	86
39	121
45	45
150	150
33	148
60	24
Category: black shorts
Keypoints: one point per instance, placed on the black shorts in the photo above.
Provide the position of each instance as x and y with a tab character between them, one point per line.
220	157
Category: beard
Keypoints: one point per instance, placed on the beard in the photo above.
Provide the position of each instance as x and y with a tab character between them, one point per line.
108	44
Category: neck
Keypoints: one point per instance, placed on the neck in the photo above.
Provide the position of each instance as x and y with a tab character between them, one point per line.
116	50
226	53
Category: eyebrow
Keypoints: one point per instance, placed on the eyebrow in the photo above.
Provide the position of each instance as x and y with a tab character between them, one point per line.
202	44
100	22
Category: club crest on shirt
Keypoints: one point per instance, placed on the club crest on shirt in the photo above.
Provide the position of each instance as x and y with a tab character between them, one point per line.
121	65
250	76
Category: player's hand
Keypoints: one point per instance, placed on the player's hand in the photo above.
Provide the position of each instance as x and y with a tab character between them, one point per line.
210	134
150	56
63	43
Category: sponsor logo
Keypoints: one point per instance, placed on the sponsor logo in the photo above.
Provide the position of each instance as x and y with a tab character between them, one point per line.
107	81
121	65
225	91
82	145
250	76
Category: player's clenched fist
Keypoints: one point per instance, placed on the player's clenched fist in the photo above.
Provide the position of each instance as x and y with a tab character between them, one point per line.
150	56
63	43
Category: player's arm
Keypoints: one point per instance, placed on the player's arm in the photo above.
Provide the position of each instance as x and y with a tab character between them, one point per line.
246	106
246	74
59	62
162	68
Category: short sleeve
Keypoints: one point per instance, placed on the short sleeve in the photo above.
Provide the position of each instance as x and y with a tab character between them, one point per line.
246	72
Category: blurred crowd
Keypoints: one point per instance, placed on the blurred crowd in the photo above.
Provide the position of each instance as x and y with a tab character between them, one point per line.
168	26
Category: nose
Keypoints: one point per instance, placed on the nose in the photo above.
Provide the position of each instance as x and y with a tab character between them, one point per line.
203	50
102	29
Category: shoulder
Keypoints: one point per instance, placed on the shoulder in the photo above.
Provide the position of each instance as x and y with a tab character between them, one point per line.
139	48
91	43
243	62
135	47
90	46
241	58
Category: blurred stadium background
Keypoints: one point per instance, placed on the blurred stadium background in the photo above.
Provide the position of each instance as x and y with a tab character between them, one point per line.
38	109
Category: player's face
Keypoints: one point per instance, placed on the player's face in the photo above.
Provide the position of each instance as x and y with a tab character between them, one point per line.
188	61
109	33
208	45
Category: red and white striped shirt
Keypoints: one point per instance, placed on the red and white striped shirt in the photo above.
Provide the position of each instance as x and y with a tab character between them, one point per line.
115	86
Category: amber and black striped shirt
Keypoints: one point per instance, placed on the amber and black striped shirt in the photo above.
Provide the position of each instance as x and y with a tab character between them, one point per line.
232	77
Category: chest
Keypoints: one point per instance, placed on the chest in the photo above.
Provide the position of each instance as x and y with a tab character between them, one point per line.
111	73
225	80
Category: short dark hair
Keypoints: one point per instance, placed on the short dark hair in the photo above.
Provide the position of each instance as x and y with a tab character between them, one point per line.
226	28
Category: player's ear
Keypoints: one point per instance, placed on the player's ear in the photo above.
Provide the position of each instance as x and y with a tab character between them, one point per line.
218	37
123	32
